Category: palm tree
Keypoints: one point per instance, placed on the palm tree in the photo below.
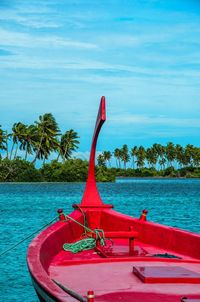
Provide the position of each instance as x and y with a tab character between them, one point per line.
151	156
7	138
196	157
179	155
117	155
107	156
189	154
125	157
46	138
29	140
133	154
159	151
162	156
101	160
69	143
170	151
3	139
141	154
18	132
162	162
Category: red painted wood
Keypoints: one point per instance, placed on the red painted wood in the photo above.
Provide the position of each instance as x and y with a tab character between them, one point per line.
90	296
163	274
120	234
110	276
46	251
91	195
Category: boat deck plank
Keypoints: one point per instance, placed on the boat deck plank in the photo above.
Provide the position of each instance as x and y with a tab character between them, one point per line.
89	271
105	278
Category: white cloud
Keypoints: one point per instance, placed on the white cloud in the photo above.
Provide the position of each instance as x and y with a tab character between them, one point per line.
154	120
118	73
29	20
17	39
83	155
131	40
124	73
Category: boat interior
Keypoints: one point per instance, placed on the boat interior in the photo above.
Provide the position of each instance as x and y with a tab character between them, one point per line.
137	257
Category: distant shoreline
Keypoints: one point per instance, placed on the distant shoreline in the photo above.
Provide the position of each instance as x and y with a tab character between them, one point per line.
155	177
83	183
76	170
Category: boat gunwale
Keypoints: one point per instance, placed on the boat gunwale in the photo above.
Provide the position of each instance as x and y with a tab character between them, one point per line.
34	250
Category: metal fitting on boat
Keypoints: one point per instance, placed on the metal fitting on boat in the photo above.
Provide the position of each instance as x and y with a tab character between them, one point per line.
61	214
143	216
90	296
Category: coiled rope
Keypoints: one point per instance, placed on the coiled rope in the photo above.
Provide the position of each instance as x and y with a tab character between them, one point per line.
79	246
86	243
29	236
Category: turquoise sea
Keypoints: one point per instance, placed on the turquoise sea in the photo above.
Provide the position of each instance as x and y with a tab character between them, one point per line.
26	207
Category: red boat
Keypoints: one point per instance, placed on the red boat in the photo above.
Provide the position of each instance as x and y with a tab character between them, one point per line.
98	254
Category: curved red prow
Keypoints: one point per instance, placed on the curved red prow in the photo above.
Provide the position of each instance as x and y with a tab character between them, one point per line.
91	195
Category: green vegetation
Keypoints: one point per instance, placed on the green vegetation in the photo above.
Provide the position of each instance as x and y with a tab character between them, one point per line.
156	161
38	140
18	170
72	170
43	138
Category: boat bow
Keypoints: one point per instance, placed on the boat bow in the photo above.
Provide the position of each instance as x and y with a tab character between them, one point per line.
91	197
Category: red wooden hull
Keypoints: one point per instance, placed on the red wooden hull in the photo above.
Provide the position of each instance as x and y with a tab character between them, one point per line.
137	267
47	260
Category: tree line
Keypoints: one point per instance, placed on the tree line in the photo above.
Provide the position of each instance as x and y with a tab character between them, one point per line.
38	140
157	157
21	147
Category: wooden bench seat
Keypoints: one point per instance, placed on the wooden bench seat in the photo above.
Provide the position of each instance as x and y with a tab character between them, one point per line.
131	235
121	234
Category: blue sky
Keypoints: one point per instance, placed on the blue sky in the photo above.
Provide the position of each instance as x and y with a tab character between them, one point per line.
144	56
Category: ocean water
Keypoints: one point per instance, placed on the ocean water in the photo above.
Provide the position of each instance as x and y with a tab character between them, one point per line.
25	208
